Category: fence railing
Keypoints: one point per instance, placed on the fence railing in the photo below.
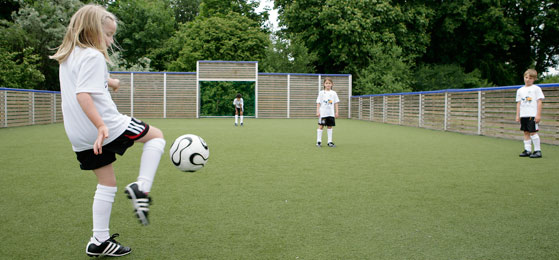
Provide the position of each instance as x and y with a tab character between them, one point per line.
20	107
481	111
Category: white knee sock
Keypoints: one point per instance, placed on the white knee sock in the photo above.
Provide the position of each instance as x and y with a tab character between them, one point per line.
318	135
236	119
536	141
242	119
102	206
528	145
329	131
153	149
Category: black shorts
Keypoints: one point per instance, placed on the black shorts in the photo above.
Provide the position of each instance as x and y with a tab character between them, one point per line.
238	110
90	161
327	121
528	124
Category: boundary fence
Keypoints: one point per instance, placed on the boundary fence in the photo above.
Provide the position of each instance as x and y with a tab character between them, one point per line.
480	111
177	94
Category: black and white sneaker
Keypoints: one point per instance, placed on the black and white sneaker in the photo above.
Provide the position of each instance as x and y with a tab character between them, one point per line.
318	144
235	124
108	248
241	124
330	144
140	202
536	154
525	154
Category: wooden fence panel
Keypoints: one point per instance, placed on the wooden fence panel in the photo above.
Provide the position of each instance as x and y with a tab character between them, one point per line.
148	95
463	112
303	94
433	107
410	108
181	96
272	96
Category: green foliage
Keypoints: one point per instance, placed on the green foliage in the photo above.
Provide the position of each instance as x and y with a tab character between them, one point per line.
288	56
386	73
119	64
144	25
185	10
222	8
233	37
216	98
452	76
44	24
20	70
550	79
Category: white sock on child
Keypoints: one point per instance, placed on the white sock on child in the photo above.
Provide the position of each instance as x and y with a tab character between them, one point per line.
242	119
102	206
528	145
153	149
536	141
318	135
329	132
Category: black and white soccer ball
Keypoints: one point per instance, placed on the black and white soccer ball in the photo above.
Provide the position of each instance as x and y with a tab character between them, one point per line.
189	153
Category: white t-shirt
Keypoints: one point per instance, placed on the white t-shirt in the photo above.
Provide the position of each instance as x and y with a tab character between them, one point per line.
85	70
238	103
528	98
327	99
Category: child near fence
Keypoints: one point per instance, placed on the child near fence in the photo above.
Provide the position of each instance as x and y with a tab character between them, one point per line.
529	100
326	111
96	129
238	102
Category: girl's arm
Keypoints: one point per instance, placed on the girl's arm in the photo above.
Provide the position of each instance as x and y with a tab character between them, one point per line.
517	111
87	105
539	114
336	106
317	109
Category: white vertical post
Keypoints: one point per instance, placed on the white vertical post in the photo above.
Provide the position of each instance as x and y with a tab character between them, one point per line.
33	108
420	116
288	95
360	107
400	112
256	91
319	80
479	112
349	97
132	94
384	109
197	89
371	108
445	109
6	109
165	95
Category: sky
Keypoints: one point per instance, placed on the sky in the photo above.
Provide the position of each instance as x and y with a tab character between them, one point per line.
273	13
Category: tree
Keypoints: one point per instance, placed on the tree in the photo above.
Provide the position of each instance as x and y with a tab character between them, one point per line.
20	69
144	26
44	24
185	10
346	36
285	55
233	37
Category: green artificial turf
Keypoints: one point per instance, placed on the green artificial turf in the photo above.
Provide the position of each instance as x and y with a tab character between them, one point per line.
385	192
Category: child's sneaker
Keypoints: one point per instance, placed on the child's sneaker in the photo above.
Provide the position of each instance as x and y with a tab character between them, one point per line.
330	144
241	124
525	154
536	154
318	144
109	248
235	124
140	202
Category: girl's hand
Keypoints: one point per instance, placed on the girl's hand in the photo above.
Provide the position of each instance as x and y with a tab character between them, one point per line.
336	114
114	84
537	119
102	134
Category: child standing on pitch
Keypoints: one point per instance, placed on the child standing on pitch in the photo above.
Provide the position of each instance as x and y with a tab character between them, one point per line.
97	131
529	100
239	108
327	111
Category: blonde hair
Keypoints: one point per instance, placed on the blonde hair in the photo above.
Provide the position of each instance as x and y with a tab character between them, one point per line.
85	30
532	73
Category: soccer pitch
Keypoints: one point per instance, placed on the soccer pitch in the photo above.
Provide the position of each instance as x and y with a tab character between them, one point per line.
385	192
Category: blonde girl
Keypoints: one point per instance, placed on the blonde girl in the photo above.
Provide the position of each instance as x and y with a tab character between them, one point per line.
326	111
97	131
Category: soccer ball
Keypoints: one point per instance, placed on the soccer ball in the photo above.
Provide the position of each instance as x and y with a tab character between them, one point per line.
189	153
